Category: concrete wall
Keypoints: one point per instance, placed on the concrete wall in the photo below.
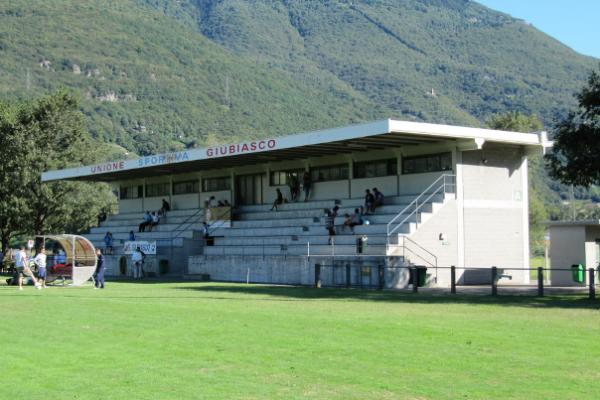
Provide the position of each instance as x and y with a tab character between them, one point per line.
388	185
417	183
592	235
567	247
494	206
272	269
444	221
131	205
330	190
185	201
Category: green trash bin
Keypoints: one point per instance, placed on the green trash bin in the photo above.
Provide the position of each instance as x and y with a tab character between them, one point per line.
422	271
578	272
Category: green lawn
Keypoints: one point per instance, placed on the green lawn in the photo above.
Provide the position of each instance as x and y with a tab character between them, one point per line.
213	341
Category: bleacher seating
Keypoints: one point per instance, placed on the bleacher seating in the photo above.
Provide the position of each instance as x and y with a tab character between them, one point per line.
299	229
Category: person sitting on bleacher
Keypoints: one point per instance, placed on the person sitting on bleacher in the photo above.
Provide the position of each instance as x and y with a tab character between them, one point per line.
155	221
378	198
278	200
147	220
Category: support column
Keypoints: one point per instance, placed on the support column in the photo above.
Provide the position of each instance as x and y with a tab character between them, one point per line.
232	190
460	246
350	175
525	215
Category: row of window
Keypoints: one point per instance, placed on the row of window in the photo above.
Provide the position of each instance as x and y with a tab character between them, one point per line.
366	169
185	187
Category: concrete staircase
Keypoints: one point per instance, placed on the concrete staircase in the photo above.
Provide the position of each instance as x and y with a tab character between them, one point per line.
298	229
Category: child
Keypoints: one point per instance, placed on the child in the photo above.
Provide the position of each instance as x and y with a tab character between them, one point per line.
40	262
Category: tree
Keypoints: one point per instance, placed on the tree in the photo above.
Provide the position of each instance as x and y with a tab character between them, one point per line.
515	122
48	133
575	157
13	197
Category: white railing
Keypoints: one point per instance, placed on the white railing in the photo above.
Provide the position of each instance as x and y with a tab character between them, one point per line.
442	185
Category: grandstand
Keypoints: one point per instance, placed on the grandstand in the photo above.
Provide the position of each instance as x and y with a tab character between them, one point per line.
453	196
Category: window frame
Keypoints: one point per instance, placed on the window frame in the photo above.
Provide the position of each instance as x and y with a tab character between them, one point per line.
391	168
330	168
129	188
285	174
165	185
195	187
430	160
227	186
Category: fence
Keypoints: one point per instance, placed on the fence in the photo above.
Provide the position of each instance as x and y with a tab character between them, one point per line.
379	274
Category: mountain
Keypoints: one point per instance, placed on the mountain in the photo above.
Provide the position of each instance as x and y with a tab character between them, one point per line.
157	75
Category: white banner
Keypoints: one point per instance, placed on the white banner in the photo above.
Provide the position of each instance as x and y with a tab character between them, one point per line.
145	247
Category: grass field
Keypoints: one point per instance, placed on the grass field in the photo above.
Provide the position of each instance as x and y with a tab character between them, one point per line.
213	341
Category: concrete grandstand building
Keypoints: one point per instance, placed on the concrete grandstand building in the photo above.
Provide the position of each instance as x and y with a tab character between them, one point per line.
453	196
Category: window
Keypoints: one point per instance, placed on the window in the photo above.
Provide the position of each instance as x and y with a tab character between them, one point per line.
186	187
279	178
372	169
329	173
428	163
131	192
157	189
216	184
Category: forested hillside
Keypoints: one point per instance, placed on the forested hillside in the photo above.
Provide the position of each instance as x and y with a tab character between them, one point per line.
160	74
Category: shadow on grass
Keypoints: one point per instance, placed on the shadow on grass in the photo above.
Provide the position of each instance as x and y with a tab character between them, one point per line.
278	293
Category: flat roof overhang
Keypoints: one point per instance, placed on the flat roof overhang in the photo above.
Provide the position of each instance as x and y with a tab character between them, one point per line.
378	135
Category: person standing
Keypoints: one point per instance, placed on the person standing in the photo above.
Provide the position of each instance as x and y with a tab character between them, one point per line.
378	196
330	223
166	207
294	186
136	261
369	202
22	268
40	262
99	274
306	183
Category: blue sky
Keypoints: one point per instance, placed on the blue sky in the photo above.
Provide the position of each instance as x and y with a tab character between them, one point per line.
576	23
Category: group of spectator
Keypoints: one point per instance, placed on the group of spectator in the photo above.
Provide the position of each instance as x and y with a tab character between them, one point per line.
373	200
294	186
212	202
150	220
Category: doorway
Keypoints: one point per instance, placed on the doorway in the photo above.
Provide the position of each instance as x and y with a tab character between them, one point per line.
249	189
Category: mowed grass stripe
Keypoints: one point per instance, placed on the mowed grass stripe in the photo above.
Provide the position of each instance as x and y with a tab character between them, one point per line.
207	340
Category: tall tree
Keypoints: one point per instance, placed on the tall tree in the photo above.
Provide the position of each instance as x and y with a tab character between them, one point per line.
47	133
14	206
575	157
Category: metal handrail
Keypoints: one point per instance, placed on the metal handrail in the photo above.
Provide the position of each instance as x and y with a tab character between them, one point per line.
435	263
177	228
435	259
418	202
